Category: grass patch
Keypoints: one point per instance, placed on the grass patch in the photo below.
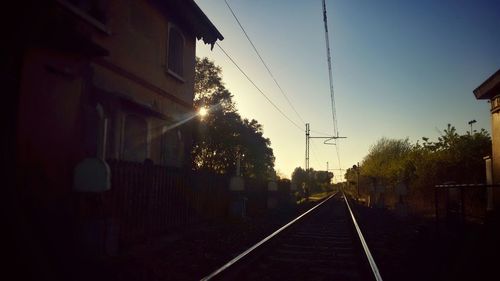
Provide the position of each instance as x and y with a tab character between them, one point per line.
316	197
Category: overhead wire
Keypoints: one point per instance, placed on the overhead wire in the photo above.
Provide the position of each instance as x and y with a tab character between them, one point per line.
278	85
273	77
258	89
332	93
330	77
338	155
264	63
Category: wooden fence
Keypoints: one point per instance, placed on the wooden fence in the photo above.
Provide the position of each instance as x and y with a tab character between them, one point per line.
147	200
462	201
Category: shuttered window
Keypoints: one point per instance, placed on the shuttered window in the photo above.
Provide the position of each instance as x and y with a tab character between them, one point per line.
175	52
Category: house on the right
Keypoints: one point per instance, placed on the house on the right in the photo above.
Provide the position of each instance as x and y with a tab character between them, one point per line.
490	90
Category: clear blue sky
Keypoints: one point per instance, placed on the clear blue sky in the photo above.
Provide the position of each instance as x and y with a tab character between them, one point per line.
400	69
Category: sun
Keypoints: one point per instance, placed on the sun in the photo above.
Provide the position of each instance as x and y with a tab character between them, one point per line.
203	111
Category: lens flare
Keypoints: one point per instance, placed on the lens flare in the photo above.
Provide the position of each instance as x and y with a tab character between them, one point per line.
203	111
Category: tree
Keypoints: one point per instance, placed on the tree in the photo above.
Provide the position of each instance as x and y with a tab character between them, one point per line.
311	181
223	136
300	179
460	157
387	161
452	158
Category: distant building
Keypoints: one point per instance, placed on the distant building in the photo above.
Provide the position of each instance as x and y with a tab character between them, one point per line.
490	90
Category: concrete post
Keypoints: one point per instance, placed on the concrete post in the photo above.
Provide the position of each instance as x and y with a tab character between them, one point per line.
489	181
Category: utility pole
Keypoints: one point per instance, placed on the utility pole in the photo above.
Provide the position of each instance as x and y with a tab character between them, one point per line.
308	181
328	168
308	137
328	171
307	146
357	181
356	169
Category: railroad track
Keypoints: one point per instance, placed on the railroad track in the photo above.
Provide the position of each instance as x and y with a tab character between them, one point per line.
325	243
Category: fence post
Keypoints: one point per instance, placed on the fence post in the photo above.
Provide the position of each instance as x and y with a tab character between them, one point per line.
436	206
436	203
462	205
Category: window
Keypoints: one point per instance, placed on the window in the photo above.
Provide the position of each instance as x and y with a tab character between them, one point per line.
175	55
172	147
495	104
135	139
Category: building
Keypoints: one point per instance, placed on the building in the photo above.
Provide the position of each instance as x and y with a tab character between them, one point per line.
130	71
490	90
107	79
95	79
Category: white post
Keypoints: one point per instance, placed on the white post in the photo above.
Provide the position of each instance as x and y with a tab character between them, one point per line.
489	181
238	165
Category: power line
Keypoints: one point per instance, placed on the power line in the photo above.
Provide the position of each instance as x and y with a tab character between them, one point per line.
336	149
330	77
332	93
258	89
263	62
338	155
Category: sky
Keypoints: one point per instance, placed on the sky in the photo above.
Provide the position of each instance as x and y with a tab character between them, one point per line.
400	69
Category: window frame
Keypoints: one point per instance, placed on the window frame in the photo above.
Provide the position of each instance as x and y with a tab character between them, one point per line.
171	147
172	72
127	115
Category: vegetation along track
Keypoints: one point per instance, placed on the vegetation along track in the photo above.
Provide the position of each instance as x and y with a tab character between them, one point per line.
325	243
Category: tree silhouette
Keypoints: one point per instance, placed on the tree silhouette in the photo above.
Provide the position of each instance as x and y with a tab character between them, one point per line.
223	136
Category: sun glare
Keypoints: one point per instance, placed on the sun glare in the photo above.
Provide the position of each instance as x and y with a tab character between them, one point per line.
203	112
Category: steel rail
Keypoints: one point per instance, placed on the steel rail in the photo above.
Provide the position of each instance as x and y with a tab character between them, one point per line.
245	253
368	254
466	185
